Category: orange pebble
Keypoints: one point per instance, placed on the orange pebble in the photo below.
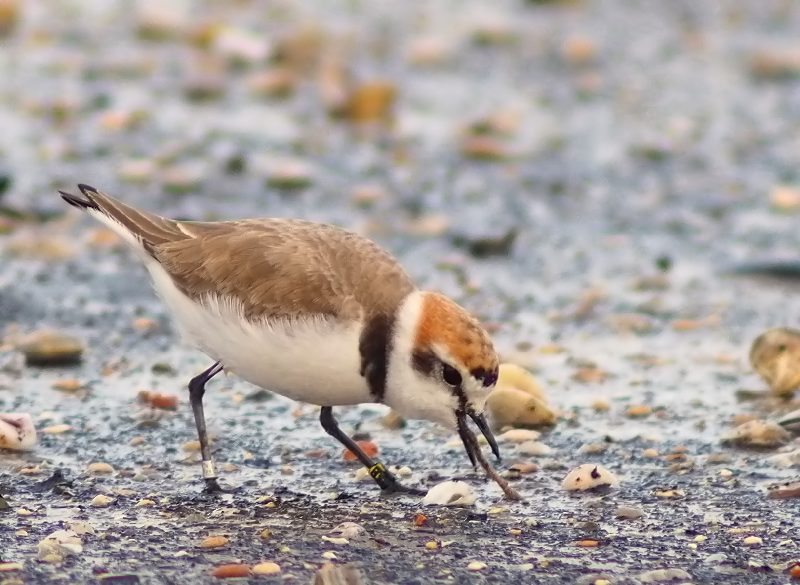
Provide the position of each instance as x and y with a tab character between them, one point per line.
794	572
588	543
231	571
370	448
163	401
420	519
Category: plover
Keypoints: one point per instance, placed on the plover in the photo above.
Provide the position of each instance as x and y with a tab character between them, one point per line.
315	313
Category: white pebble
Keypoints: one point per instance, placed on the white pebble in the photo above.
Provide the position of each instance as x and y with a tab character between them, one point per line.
60	544
449	493
534	448
101	501
589	476
518	436
349	530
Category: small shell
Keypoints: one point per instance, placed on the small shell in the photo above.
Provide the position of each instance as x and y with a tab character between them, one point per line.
449	493
60	544
757	433
17	431
791	421
349	530
514	376
775	355
589	476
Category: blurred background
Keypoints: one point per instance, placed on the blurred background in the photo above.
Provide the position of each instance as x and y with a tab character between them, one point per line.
568	170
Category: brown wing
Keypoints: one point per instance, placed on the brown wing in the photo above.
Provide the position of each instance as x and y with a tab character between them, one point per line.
274	267
285	268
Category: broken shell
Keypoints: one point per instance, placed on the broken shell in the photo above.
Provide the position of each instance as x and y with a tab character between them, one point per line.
757	433
791	421
450	493
589	476
348	530
775	355
60	544
17	432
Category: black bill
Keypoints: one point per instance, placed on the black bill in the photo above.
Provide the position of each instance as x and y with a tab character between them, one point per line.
470	441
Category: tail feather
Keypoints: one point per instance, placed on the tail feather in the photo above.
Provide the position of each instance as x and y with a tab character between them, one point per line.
139	228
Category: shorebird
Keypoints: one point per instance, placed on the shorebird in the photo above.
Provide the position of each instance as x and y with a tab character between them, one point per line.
315	313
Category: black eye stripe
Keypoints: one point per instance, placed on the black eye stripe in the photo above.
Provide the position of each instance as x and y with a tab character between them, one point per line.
451	375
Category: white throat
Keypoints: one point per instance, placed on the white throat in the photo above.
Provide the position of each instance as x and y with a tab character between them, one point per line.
407	391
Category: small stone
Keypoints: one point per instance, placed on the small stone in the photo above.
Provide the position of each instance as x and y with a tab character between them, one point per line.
17	431
370	448
593	448
428	51
660	575
534	448
101	501
579	50
51	348
241	46
290	174
59	544
183	178
518	436
757	433
68	385
349	530
638	411
476	566
486	148
140	170
509	406
785	198
524	468
775	356
370	102
601	405
266	568
628	512
144	503
785	490
329	555
335	540
776	63
589	476
272	83
265	534
753	540
191	446
100	468
214	542
231	571
9	567
393	421
650	453
56	429
450	493
432	545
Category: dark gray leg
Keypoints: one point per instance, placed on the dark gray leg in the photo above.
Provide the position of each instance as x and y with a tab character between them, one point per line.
382	476
197	388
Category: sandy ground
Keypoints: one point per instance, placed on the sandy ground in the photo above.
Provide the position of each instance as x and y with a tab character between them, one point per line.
636	148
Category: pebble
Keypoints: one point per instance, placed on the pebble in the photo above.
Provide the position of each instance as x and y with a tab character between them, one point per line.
50	348
138	170
265	534
659	575
290	174
534	448
785	198
370	102
524	468
628	512
232	570
518	436
513	407
59	544
267	568
579	50
57	429
601	405
214	542
68	385
144	503
183	178
776	63
100	468
753	540
785	490
393	421
486	148
348	530
158	400
9	567
329	555
369	447
638	411
101	501
476	566
593	448
450	493
278	82
589	476
650	453
775	356
757	433
17	432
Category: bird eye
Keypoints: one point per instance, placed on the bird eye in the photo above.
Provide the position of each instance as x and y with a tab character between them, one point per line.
451	375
